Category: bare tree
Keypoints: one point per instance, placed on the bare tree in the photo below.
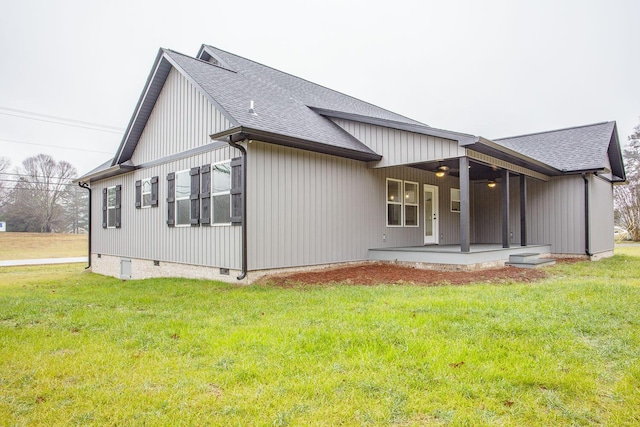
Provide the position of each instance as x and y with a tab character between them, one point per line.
627	197
38	195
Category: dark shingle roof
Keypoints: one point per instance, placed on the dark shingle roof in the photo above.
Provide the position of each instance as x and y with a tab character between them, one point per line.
276	110
303	91
571	149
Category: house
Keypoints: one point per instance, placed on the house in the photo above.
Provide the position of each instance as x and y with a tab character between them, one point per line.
230	169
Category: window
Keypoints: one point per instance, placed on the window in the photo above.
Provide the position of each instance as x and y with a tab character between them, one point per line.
403	199
221	193
394	202
455	200
183	198
111	207
146	193
410	204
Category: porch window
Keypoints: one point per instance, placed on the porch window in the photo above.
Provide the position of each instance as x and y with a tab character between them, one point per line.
410	204
455	200
394	202
183	198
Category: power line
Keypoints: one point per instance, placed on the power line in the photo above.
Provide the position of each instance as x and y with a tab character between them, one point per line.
54	146
35	183
43	190
59	123
80	122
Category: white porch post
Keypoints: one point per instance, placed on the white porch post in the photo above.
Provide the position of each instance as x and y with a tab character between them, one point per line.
465	206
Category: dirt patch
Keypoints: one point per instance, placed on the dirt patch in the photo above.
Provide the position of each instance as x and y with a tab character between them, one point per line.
387	273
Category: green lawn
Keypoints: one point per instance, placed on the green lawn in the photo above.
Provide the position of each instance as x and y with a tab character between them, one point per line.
42	245
81	349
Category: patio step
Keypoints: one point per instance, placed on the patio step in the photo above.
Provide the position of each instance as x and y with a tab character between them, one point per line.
529	260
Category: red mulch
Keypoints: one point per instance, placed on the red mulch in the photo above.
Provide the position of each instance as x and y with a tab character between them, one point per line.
387	273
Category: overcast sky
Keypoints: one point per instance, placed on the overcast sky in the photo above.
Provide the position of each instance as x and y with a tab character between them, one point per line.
490	68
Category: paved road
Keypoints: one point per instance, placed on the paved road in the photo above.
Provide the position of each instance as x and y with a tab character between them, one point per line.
14	262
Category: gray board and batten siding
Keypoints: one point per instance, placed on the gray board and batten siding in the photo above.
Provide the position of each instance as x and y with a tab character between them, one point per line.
555	214
602	220
144	233
301	212
307	208
181	120
400	147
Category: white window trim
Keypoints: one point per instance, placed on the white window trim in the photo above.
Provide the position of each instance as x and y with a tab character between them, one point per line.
142	193
416	204
387	202
220	193
455	197
175	194
111	207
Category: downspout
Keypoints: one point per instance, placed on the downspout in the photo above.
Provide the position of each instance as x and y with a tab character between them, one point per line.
587	227
86	187
243	274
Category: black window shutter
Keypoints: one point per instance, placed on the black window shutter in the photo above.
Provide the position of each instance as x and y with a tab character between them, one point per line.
171	199
205	195
237	166
104	208
154	191
195	196
138	194
118	206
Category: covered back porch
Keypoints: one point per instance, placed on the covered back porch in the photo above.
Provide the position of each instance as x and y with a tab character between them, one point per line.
489	211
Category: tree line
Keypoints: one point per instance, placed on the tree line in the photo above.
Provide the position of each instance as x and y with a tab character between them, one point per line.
38	196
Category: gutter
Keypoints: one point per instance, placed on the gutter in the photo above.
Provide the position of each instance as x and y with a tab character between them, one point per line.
587	228
241	133
86	187
243	274
107	173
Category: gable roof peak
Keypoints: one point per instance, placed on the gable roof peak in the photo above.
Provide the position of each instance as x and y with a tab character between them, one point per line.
211	64
211	57
592	147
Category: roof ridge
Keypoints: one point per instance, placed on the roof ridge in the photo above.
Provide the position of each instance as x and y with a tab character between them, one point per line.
550	131
316	84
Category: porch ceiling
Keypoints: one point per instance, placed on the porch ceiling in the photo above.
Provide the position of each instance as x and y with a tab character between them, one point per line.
477	171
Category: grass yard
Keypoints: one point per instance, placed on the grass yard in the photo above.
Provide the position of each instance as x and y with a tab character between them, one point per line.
42	245
81	349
